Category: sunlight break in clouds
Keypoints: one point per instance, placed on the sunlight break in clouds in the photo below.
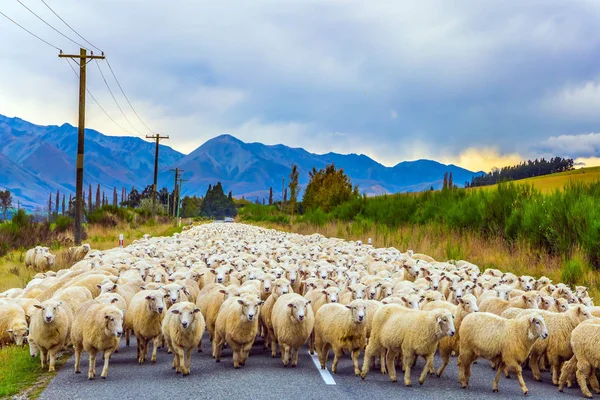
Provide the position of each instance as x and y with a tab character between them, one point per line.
483	159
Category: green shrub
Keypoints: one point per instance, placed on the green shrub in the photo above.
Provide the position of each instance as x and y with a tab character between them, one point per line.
572	271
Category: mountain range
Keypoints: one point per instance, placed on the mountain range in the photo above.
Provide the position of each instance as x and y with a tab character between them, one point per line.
37	160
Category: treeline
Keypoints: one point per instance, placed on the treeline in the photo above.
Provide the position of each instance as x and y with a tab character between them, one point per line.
526	169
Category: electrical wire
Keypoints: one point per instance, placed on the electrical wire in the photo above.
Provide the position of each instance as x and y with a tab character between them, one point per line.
70	27
126	98
96	101
28	31
56	30
114	98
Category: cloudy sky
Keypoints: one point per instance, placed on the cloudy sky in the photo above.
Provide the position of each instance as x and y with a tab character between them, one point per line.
479	84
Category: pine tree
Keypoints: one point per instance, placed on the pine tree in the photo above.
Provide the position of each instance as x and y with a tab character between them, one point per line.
445	184
70	201
450	183
50	205
98	198
90	198
285	196
271	196
293	185
57	202
115	197
63	203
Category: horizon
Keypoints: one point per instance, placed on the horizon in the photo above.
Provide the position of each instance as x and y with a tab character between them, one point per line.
477	85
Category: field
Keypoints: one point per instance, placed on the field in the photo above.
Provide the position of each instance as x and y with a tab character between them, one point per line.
550	183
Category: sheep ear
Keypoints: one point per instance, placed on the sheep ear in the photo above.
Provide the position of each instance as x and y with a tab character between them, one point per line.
290	305
38	306
324	291
461	301
223	291
114	300
175	311
106	316
148	297
404	299
349	307
428	278
260	303
241	302
196	310
308	302
99	286
524	297
9	330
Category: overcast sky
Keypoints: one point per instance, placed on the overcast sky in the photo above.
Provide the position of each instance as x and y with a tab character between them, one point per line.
476	83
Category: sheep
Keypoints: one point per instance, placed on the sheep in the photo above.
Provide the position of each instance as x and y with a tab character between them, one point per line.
407	333
174	293
497	306
293	321
144	317
97	328
73	297
44	261
281	287
237	324
28	305
127	291
341	327
50	330
182	328
569	368
585	341
506	342
12	293
356	292
13	324
318	298
77	253
449	345
558	346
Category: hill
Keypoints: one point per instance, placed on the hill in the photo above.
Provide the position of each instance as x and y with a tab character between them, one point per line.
36	160
552	182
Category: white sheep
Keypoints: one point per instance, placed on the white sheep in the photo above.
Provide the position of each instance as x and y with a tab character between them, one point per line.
50	330
144	317
182	328
293	322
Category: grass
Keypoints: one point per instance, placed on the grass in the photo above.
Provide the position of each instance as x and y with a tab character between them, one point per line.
444	244
17	370
550	183
13	272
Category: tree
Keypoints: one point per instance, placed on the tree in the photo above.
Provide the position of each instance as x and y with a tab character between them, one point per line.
216	205
115	197
445	184
57	202
293	185
98	198
90	198
190	206
134	198
50	205
63	203
5	202
271	195
163	196
285	196
328	188
450	183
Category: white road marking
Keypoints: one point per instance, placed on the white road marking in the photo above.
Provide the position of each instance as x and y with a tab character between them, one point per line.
324	372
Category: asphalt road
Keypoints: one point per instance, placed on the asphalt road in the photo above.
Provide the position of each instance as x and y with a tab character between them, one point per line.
266	378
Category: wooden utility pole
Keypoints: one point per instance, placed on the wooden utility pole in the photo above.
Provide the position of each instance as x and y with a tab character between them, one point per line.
83	60
157	138
181	180
175	190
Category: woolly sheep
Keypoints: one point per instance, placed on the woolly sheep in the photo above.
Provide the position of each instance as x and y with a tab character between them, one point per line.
237	324
182	328
144	317
505	341
97	328
281	286
293	321
341	327
13	324
73	297
50	330
585	341
497	306
44	261
407	333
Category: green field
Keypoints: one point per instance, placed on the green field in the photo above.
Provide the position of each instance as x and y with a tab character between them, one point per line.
550	183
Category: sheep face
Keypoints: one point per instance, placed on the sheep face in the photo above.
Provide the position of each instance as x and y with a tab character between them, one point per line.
267	282
358	291
445	321
537	327
469	302
113	321
250	307
292	275
359	311
49	309
581	292
543	281
411	301
332	294
531	301
527	283
221	273
388	289
186	315
50	259
282	286
155	301
108	287
434	281
173	292
547	302
298	309
18	334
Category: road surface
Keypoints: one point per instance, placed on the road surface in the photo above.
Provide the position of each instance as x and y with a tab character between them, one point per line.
266	378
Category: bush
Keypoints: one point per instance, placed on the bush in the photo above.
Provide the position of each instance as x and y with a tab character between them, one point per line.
63	223
572	271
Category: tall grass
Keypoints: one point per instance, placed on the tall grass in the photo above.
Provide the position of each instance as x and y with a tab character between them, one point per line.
17	370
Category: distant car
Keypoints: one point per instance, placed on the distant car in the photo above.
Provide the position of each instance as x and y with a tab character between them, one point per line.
228	219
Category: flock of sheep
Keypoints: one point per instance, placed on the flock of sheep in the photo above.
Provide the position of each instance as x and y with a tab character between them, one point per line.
239	282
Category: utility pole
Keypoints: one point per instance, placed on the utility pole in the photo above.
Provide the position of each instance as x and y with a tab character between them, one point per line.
181	180
175	196
157	138
83	60
282	189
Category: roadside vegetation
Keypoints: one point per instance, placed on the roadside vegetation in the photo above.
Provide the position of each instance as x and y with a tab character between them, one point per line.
511	226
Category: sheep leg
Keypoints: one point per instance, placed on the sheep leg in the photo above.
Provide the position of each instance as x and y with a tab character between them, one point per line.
200	346
78	351
555	365
337	353
295	357
408	359
382	362
52	355
188	361
236	358
445	354
107	354
497	377
273	344
154	348
594	382
583	372
323	353
355	356
127	336
92	366
427	368
178	358
245	352
534	364
43	355
517	368
391	366
285	354
465	359
311	343
370	352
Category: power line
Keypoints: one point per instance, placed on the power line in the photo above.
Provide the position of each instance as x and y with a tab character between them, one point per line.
126	98
70	27
97	103
56	30
28	31
114	98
